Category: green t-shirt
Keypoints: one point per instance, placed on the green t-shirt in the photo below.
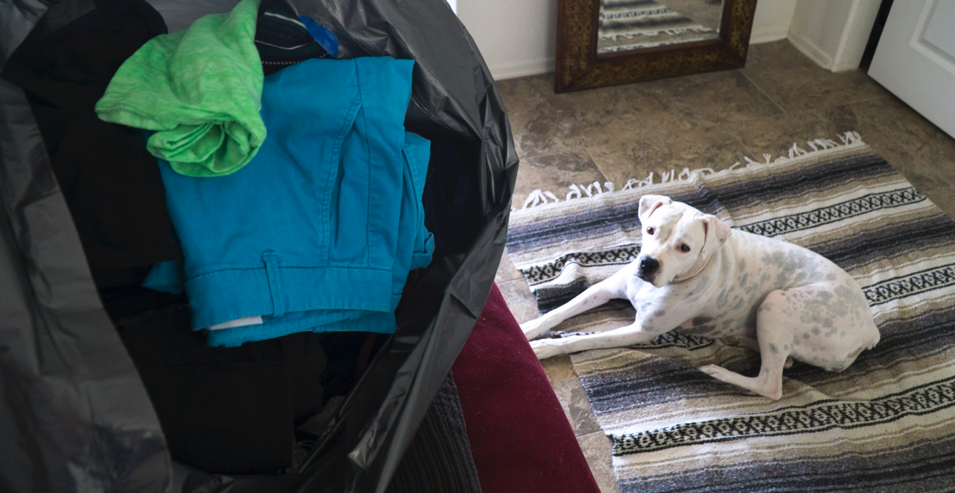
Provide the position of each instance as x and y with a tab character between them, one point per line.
200	90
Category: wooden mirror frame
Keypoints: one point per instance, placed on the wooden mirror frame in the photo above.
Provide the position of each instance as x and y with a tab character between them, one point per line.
578	66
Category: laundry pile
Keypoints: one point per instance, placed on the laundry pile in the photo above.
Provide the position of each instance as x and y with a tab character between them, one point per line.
257	198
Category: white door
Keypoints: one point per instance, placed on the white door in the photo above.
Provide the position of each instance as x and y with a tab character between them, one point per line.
915	58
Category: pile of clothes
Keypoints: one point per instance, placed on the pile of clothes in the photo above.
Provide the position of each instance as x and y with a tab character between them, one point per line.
249	204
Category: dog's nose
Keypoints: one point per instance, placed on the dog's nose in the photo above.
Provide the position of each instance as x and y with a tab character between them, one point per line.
649	265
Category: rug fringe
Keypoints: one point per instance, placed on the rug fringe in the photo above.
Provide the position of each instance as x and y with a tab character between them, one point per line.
540	197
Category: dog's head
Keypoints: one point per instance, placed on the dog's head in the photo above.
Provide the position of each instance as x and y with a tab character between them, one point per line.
678	240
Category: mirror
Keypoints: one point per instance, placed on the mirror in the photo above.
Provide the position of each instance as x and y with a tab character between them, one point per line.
608	42
630	25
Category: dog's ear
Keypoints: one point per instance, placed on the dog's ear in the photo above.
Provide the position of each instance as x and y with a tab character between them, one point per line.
650	203
715	234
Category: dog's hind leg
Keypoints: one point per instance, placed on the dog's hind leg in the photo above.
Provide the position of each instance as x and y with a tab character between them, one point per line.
753	344
774	352
769	382
592	297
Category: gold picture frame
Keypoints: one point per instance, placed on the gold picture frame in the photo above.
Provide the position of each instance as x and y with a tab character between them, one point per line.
578	66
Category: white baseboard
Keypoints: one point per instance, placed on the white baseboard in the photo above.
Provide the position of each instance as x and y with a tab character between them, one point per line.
511	70
845	65
766	35
808	48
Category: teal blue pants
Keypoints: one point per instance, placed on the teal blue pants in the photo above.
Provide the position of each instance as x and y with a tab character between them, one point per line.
319	231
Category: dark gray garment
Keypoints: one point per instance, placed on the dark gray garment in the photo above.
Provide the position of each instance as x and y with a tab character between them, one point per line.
439	457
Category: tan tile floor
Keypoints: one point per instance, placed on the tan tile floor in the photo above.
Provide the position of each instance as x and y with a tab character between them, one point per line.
708	120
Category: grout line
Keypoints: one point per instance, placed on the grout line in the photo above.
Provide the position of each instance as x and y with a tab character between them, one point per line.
910	167
890	135
594	161
741	143
546	155
763	91
597	165
600	461
888	95
505	268
947	206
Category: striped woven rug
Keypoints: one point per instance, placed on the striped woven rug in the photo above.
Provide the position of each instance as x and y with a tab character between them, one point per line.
626	25
885	424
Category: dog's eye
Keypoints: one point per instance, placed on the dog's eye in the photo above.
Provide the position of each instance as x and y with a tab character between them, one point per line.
685	248
650	230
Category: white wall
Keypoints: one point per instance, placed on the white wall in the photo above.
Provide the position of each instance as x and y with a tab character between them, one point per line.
833	33
518	37
771	21
817	27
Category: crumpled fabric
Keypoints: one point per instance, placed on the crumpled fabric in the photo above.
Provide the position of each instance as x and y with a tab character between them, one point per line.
200	90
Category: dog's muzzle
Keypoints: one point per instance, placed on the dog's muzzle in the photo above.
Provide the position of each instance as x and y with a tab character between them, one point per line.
647	268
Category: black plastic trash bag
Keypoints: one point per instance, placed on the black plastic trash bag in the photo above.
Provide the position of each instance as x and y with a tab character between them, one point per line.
74	415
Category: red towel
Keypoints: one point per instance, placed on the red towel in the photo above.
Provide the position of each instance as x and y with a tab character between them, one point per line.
520	437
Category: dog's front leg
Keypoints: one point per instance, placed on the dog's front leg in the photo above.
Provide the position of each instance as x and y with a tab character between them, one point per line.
629	335
592	297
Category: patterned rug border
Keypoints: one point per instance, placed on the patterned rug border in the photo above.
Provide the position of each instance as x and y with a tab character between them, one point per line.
541	200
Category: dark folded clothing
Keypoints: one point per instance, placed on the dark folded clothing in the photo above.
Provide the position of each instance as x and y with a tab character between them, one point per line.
439	456
283	40
111	184
222	410
228	418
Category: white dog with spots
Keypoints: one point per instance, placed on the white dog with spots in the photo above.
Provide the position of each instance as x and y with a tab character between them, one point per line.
697	276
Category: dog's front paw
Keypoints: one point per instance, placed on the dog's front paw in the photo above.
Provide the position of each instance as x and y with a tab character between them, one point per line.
546	348
531	328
